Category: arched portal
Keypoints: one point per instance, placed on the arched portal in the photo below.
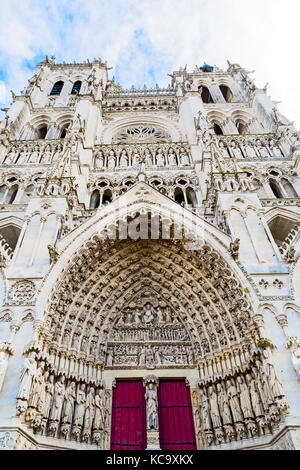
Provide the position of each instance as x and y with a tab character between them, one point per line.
145	310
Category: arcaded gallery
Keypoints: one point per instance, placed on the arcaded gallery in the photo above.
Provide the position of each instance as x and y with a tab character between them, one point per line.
149	264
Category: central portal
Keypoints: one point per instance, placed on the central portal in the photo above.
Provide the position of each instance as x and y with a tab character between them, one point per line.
176	425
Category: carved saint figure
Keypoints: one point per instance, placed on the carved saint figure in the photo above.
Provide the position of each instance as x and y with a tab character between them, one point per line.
89	409
135	158
160	158
37	391
255	398
111	163
148	158
214	408
123	162
99	160
204	407
245	398
263	152
23	157
3	366
11	156
184	158
275	150
152	407
80	406
223	150
223	405
233	397
236	151
148	315
49	391
99	409
172	157
35	155
47	155
249	150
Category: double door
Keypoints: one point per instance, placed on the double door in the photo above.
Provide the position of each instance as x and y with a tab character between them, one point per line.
129	429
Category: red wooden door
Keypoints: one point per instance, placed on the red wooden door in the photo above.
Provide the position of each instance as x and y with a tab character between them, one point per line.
176	425
128	424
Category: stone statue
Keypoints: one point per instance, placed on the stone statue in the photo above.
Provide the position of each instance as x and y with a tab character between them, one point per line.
123	162
58	399
245	398
152	407
27	376
184	158
214	408
172	157
204	407
263	152
53	253
89	413
275	150
233	398
99	409
223	405
80	406
290	255
111	162
99	160
255	398
70	396
160	158
47	155
49	391
234	249
148	158
38	390
3	366
236	151
148	317
35	155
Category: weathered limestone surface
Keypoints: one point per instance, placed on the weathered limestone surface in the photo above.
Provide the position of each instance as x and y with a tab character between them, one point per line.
148	234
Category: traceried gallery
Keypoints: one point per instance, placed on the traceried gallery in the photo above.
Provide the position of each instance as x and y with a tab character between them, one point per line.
149	264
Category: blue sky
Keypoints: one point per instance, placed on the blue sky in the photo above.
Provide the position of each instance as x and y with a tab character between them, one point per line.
144	40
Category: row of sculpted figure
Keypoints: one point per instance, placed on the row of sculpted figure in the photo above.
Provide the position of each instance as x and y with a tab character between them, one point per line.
161	157
239	407
58	407
33	154
246	148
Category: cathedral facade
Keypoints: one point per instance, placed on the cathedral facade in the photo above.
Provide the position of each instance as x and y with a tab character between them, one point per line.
149	264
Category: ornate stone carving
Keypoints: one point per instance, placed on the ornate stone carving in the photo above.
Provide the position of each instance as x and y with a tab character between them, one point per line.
21	293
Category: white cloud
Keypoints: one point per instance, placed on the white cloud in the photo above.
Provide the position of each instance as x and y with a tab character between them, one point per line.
147	39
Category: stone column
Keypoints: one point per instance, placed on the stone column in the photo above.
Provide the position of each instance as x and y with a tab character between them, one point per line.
151	383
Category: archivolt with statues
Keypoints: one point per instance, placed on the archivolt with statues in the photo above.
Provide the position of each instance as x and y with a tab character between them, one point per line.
148	304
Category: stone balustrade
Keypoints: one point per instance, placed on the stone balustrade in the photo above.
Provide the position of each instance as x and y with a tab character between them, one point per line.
140	156
251	147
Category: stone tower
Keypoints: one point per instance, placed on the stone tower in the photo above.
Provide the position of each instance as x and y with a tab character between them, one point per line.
149	258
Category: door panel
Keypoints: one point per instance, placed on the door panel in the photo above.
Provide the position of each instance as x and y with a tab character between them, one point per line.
176	425
128	426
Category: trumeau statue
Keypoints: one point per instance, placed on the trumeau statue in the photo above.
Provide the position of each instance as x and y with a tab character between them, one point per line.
27	376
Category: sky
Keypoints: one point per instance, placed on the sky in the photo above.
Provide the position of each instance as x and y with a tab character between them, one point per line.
145	40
